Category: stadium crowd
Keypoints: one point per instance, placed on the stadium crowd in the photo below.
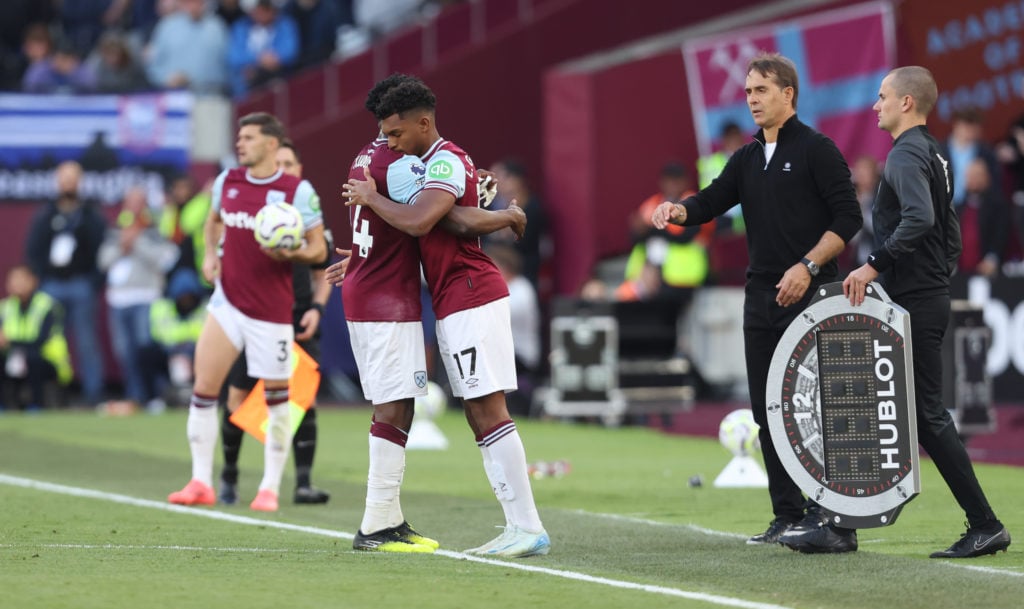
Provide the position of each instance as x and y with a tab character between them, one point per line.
208	46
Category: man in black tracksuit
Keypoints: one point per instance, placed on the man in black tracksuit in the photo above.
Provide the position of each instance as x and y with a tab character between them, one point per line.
920	242
800	210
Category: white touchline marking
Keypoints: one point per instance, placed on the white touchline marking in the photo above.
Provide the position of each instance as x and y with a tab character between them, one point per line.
215	515
113	546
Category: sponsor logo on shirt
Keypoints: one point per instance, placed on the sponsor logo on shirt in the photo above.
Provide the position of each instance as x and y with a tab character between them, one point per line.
440	170
238	219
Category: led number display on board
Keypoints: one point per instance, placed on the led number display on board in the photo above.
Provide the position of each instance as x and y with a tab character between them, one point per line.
841	406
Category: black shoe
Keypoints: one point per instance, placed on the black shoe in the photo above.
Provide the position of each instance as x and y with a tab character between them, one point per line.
976	542
406	531
814	535
310	494
228	494
771	535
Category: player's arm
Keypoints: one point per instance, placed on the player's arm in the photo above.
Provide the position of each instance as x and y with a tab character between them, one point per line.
425	210
213	230
471	222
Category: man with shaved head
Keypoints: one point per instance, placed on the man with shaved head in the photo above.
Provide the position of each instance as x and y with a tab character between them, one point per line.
919	243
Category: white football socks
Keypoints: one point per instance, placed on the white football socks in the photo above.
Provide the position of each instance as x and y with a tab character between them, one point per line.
493	474
510	478
202	430
383	484
276	447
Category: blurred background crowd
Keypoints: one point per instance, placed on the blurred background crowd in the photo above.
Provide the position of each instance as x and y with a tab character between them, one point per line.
103	297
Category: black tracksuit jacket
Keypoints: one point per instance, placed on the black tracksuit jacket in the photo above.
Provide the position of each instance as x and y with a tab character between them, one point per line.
787	205
914	218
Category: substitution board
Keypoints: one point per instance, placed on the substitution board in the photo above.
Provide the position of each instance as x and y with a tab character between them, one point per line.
841	406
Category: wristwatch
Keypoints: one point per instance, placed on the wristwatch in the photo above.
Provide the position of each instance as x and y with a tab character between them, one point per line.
812	266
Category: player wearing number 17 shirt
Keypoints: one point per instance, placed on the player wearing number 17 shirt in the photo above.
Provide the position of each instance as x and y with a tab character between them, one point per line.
381	295
251	306
470	299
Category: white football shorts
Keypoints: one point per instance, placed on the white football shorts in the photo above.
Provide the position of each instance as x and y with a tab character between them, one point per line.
268	345
391	359
476	346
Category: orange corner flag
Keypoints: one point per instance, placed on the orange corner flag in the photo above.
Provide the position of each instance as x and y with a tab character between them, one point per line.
251	416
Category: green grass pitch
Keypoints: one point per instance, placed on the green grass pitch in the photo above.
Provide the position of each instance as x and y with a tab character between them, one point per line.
85	525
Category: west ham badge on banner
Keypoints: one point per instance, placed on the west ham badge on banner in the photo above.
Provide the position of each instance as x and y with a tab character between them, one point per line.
841	407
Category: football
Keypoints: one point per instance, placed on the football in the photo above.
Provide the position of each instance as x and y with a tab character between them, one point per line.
738	433
278	225
432	404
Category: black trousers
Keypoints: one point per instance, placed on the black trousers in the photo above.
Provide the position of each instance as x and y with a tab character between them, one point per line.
38	372
764	323
929	318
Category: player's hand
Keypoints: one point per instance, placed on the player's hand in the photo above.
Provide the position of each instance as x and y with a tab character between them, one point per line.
486	187
358	192
793	285
281	254
666	212
211	268
309	323
335	274
518	219
856	283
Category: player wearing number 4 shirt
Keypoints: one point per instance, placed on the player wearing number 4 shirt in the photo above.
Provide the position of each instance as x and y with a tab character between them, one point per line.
470	299
251	305
381	294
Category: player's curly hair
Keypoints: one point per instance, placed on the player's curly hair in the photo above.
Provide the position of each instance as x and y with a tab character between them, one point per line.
406	96
382	87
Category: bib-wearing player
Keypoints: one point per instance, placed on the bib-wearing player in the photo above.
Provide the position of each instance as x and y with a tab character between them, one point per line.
251	305
381	296
470	299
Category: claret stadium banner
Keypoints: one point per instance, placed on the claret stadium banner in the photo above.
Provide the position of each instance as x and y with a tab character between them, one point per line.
120	140
976	51
841	57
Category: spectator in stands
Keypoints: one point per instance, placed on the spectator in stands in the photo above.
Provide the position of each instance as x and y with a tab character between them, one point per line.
19	18
379	18
534	245
317	22
141	20
189	50
63	240
525	311
230	11
37	48
32	343
665	263
63	71
135	259
182	219
175	323
866	175
263	45
963	146
984	222
117	70
84	21
1011	154
708	168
